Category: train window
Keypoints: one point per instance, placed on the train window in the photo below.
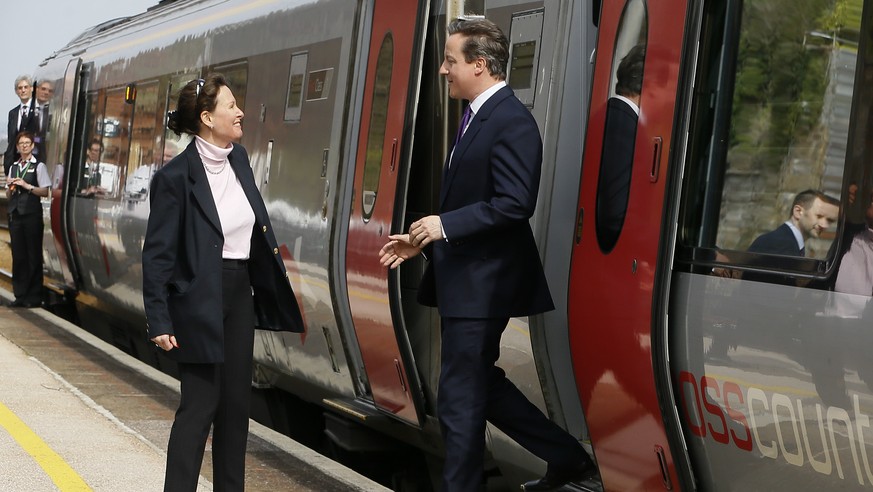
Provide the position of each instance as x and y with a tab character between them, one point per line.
768	135
378	120
236	75
116	141
296	76
174	144
89	172
620	125
141	162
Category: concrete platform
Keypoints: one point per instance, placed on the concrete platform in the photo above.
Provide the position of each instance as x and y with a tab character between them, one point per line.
78	414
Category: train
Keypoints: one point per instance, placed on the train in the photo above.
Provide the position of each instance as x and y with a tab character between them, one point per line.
679	358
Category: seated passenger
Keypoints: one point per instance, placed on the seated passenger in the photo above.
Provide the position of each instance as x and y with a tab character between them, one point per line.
812	212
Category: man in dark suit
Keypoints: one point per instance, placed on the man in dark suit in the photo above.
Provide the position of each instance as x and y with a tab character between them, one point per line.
21	118
619	135
484	266
44	92
811	213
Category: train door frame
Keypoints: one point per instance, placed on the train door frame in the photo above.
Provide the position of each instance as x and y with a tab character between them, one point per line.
378	331
617	285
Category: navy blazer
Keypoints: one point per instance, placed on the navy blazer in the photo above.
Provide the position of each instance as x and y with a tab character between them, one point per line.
182	261
12	129
490	266
780	241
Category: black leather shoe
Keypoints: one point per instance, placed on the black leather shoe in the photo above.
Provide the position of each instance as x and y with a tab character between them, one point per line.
558	477
16	303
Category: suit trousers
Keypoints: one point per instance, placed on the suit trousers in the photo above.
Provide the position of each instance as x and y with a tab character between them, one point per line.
25	234
472	390
217	395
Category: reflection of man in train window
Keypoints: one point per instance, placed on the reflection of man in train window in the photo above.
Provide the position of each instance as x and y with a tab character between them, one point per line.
90	179
812	212
619	134
44	91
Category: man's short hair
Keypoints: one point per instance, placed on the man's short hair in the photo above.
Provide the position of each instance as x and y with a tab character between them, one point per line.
629	76
20	78
484	39
806	198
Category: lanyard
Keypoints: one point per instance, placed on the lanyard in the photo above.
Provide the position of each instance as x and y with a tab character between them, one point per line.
21	170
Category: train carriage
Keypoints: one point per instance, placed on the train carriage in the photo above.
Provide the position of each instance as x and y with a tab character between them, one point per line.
680	358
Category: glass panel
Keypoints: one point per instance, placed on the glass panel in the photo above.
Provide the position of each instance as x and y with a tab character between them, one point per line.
378	119
770	120
294	101
89	171
620	125
141	163
116	142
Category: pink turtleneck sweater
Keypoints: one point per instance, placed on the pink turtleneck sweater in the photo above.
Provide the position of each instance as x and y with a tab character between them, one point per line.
234	210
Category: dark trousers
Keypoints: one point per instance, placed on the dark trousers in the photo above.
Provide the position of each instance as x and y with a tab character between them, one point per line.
25	232
217	395
472	390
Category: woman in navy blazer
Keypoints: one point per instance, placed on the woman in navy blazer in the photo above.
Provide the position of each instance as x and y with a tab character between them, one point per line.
211	273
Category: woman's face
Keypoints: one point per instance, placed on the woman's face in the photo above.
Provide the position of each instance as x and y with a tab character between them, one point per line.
25	147
225	122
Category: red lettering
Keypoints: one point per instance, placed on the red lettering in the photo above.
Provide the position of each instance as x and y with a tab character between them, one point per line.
737	416
686	378
707	383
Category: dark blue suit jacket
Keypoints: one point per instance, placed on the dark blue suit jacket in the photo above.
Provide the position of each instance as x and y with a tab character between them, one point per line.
490	266
780	241
182	263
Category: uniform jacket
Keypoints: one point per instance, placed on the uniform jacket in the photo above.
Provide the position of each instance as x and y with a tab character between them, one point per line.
182	263
490	266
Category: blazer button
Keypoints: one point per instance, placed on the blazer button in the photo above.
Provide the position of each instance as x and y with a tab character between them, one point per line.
275	251
265	229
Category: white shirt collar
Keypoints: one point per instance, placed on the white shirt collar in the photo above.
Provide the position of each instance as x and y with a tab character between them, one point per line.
797	235
630	103
477	103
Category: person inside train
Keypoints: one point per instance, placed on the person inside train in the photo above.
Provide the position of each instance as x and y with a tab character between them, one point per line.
20	119
619	136
211	271
89	180
812	212
484	266
26	181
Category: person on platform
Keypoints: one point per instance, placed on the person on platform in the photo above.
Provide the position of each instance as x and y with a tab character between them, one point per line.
26	182
484	266
211	273
21	118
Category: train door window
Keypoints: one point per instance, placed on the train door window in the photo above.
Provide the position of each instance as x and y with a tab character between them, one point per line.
116	140
93	149
296	76
768	135
378	120
524	54
141	162
620	125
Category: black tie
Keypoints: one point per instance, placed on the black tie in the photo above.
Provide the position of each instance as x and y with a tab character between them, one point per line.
803	251
23	118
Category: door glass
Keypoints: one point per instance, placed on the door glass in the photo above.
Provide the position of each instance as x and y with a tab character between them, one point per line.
376	135
620	126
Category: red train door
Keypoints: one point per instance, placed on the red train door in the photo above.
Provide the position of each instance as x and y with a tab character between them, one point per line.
385	113
614	259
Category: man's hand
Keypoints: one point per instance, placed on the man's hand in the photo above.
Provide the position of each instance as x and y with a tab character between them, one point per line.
426	230
397	250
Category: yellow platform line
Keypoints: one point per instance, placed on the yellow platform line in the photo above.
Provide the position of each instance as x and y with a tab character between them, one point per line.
64	477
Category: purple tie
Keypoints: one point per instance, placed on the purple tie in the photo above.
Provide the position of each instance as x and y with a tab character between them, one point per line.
465	120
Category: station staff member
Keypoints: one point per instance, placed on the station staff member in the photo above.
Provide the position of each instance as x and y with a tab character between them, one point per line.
211	271
26	181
